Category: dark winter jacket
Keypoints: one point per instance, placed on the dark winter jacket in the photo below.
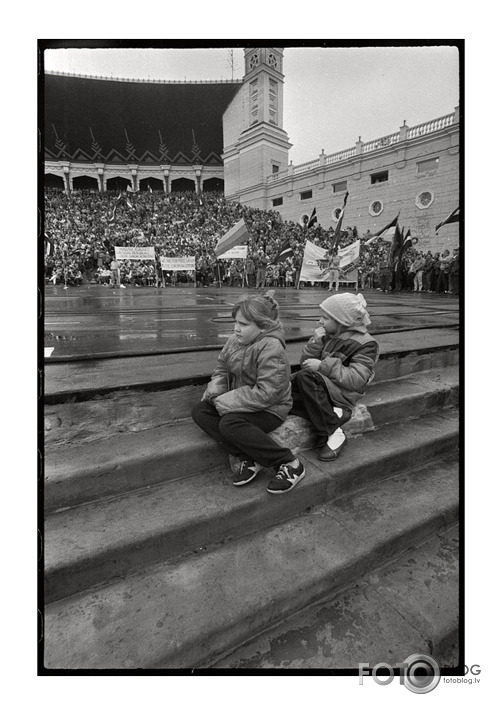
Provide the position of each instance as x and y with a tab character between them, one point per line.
347	363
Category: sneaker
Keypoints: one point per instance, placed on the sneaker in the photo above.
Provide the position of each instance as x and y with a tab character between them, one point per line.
335	444
247	471
286	478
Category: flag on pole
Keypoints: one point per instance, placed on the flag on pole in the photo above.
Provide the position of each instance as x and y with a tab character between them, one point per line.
236	236
396	248
312	219
338	226
386	233
407	241
285	252
454	217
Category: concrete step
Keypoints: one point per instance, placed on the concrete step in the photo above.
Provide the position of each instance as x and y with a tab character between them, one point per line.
410	605
181	614
104	539
83	379
164	449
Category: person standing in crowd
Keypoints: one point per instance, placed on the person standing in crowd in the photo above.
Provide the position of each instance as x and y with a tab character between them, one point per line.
333	269
427	272
384	271
115	269
250	271
336	365
435	273
455	272
417	268
261	269
297	265
249	396
444	270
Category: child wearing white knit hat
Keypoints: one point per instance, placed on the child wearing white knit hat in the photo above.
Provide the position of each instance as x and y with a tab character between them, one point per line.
336	365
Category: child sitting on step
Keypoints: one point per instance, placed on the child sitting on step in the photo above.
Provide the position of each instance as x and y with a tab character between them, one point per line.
249	395
336	365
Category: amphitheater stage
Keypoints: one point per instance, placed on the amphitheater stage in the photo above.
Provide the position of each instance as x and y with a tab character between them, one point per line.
98	339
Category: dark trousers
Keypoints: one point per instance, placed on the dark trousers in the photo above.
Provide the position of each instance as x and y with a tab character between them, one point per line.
243	434
311	400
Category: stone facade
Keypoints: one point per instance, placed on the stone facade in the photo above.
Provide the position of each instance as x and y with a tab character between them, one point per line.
413	173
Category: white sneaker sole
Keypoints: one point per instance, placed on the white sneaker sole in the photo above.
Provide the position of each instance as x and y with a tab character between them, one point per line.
249	479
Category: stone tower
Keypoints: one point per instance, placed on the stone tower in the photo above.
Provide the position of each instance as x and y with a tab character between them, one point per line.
255	144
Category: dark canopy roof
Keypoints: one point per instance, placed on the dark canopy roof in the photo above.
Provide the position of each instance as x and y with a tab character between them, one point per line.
90	119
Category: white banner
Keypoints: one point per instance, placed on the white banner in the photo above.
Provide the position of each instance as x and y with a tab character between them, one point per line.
315	261
181	263
349	254
235	252
135	253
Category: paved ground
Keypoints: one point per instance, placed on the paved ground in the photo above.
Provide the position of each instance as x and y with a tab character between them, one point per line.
90	322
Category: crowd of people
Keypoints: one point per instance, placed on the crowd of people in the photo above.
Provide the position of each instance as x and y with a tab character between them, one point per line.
85	226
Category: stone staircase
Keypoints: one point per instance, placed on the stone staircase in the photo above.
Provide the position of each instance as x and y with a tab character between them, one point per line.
154	560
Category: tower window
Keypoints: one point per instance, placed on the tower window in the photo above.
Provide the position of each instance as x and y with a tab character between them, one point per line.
339	186
277	202
304	195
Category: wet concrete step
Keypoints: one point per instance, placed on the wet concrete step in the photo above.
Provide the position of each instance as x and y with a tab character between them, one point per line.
83	379
100	540
132	410
407	606
180	614
105	463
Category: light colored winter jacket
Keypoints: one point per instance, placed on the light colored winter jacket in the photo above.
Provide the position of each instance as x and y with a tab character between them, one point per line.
254	377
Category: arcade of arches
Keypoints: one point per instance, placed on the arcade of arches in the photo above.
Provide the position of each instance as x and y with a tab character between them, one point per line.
119	183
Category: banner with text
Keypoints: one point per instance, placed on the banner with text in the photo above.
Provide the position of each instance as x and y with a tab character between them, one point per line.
315	261
181	263
235	252
135	253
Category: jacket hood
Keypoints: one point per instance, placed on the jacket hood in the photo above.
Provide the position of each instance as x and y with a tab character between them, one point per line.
274	331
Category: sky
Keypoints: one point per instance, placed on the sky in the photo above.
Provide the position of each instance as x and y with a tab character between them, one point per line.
332	95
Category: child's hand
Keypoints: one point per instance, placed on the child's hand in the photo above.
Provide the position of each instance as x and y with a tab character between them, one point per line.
319	333
311	364
208	396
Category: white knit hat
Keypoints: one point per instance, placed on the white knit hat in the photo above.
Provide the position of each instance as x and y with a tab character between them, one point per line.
347	309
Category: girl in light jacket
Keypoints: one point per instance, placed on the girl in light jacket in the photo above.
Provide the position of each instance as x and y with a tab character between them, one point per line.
249	395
